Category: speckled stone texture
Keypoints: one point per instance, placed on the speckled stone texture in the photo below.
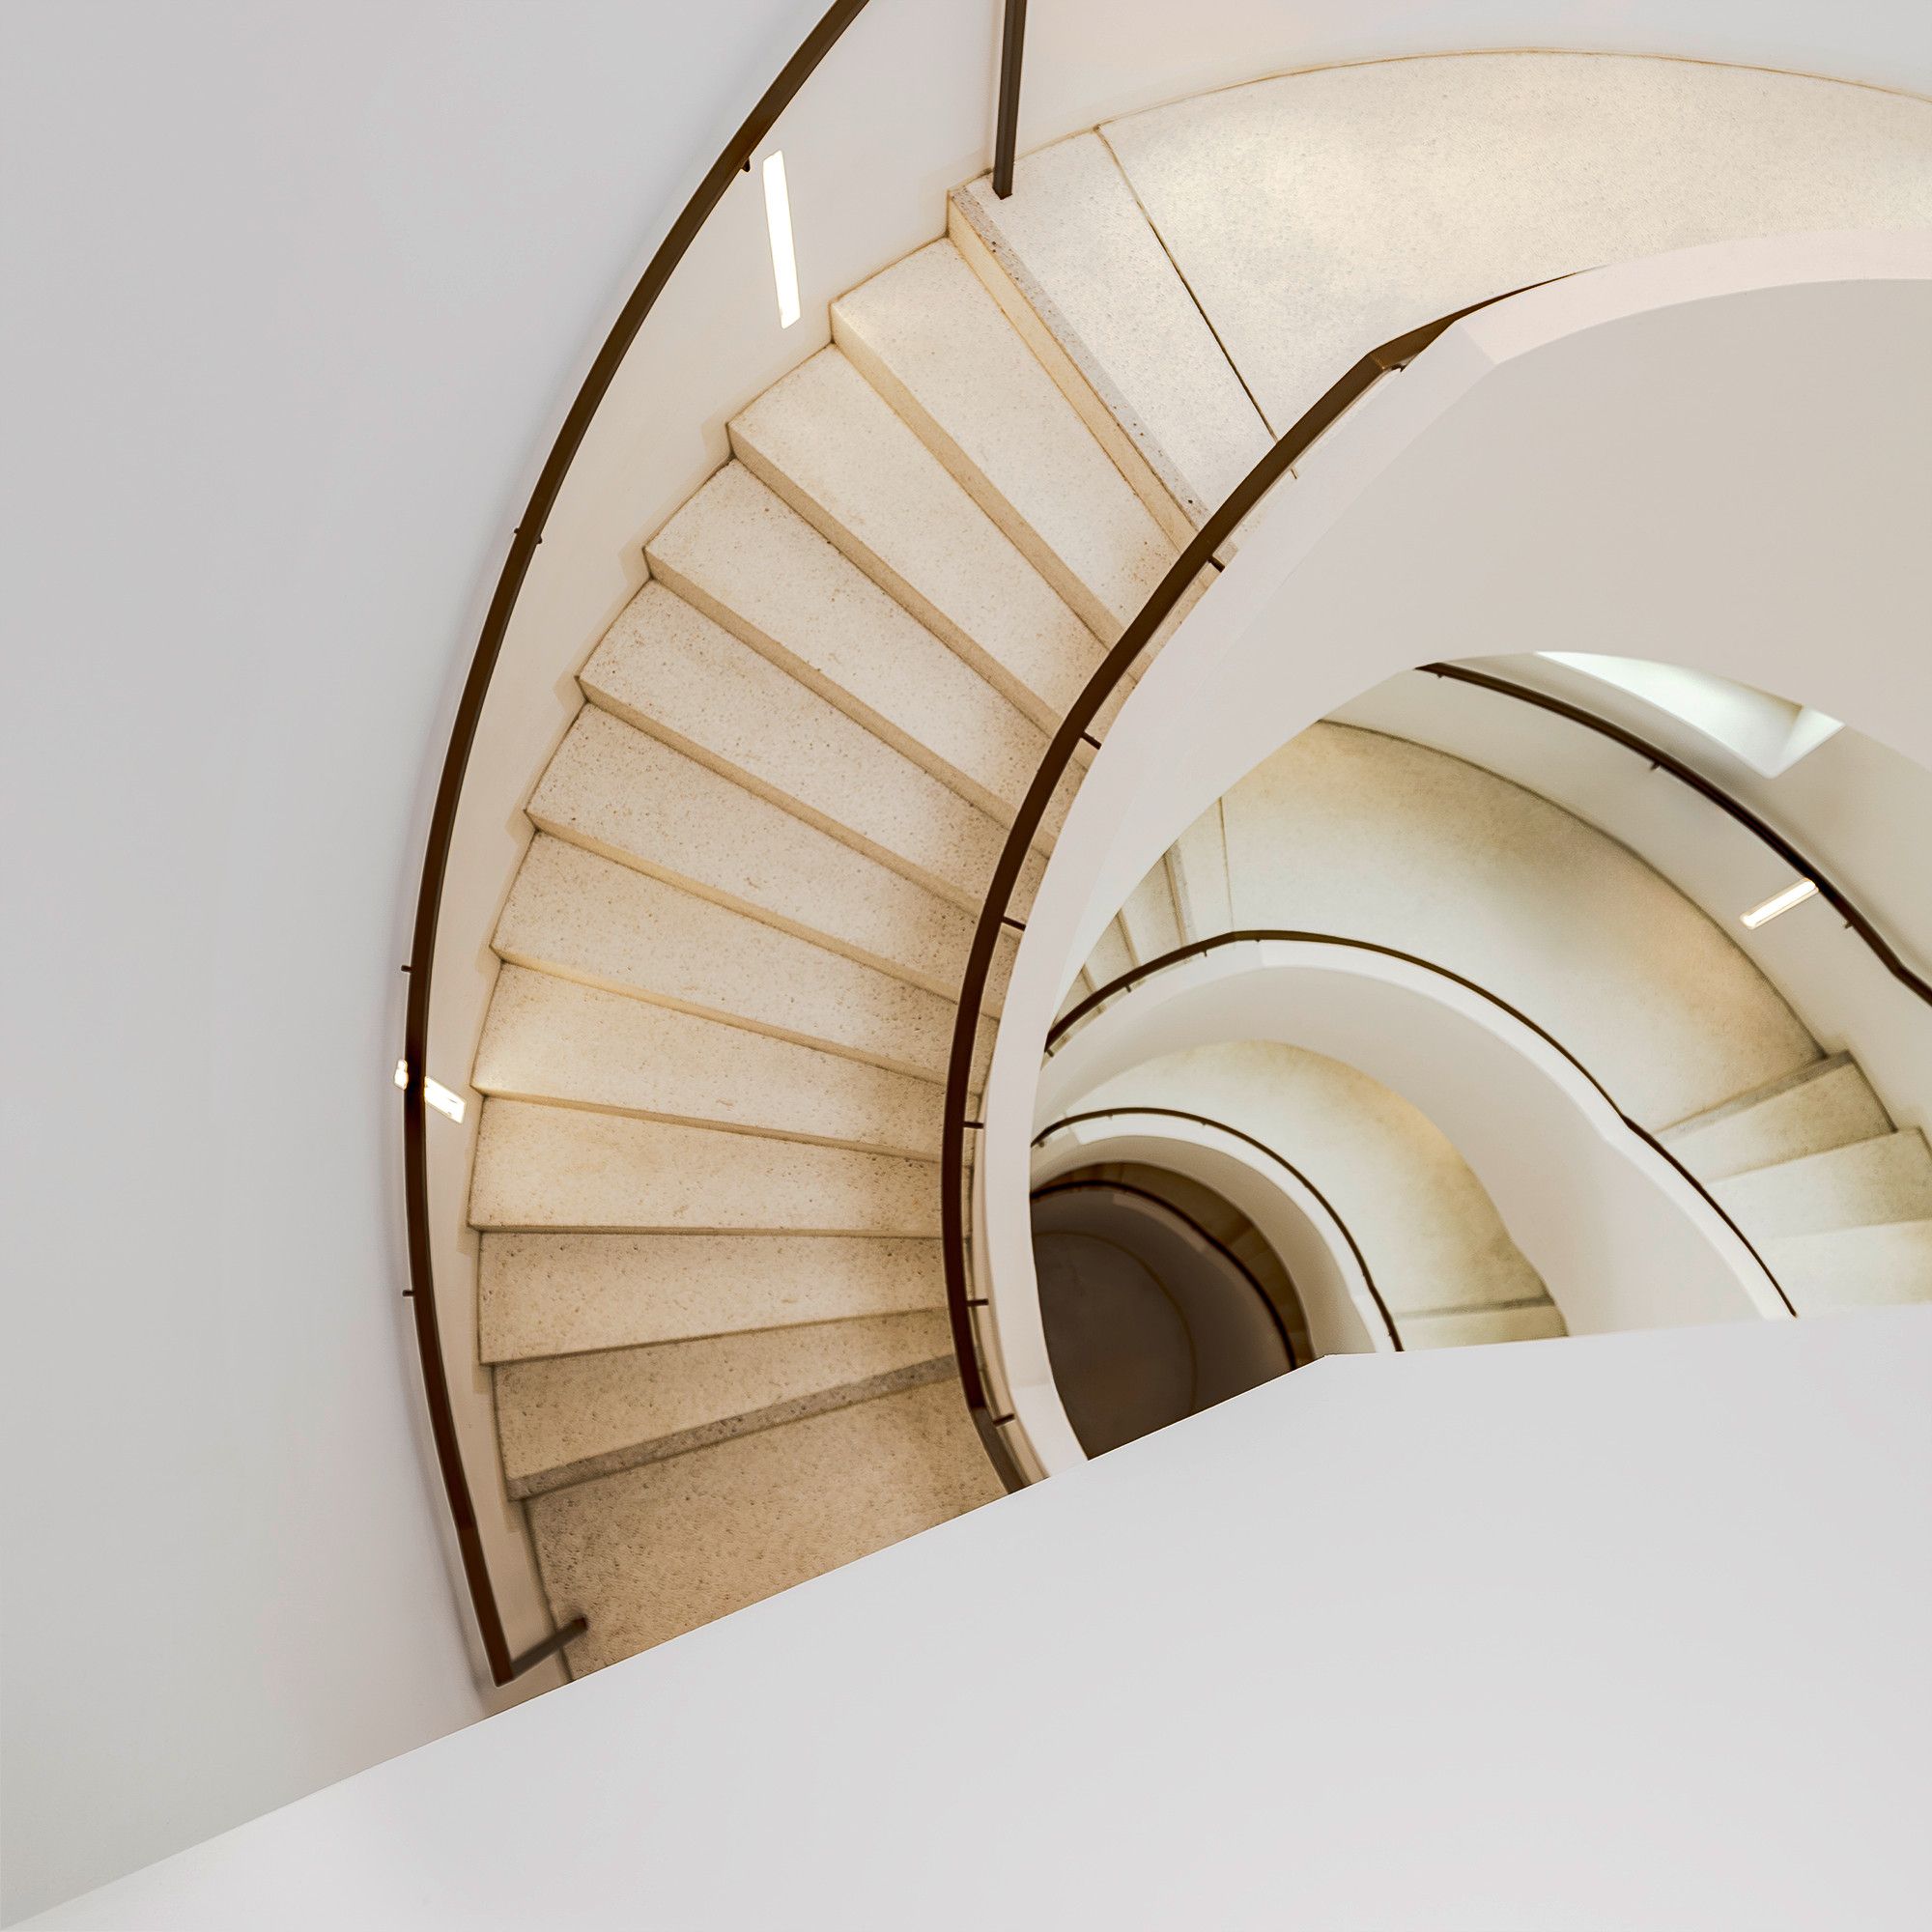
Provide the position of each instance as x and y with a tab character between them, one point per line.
1348	832
750	562
831	445
623	794
563	1167
1432	1238
669	669
1855	1268
928	337
628	1406
550	1294
1089	278
1887	1177
1319	214
664	1548
586	918
1825	1105
554	1040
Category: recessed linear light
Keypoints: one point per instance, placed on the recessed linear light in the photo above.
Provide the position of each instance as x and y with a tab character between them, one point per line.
434	1093
778	225
1779	902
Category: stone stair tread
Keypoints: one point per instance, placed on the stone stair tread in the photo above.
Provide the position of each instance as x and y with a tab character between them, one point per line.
570	1418
666	669
583	916
1844	1268
1863	1183
554	1040
571	1292
826	440
751	564
930	338
1091	283
1471	1328
567	1167
653	1552
630	797
1826	1104
1150	917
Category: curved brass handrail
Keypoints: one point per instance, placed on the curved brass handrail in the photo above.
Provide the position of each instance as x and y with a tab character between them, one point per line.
1076	729
1252	935
736	157
1274	1155
1828	889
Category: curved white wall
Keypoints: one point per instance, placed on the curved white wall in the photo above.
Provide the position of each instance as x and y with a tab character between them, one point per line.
1748	418
1620	1236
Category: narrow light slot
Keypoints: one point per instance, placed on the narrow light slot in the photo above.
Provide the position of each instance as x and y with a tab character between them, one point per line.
434	1093
778	224
1778	902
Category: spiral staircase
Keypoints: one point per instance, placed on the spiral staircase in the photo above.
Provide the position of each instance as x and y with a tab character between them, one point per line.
705	1173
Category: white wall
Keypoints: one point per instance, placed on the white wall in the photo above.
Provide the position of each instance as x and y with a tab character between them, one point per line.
1591	1634
294	297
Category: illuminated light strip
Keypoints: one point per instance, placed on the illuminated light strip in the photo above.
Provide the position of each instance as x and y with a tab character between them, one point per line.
434	1093
1791	896
778	225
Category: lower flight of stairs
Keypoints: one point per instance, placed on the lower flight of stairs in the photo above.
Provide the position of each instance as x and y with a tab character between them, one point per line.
1807	1163
1836	1198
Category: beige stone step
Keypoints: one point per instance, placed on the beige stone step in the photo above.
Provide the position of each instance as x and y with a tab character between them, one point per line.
558	1040
1826	1104
1197	863
624	794
1072	260
1149	919
566	1167
664	1549
560	1293
666	669
1317	213
932	341
1887	1179
831	445
1111	955
572	1418
1855	1268
1468	1327
751	562
1075	993
588	919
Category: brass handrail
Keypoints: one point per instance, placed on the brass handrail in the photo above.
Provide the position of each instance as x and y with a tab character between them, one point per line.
737	155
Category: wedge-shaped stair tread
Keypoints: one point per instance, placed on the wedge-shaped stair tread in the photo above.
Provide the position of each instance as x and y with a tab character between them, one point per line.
565	1293
1148	918
931	339
547	1038
1868	1183
1465	1328
831	445
666	1547
1321	212
624	794
1855	1268
1092	287
754	564
575	1417
563	1167
1827	1104
669	669
1198	862
586	918
1111	955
